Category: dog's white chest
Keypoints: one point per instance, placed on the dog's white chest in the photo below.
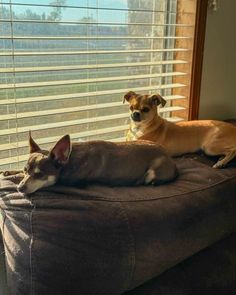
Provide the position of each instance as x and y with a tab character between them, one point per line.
135	133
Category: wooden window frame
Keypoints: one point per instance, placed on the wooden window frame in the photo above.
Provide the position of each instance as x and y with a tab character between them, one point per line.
197	59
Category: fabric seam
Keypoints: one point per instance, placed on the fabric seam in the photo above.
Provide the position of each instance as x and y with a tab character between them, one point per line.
31	253
132	246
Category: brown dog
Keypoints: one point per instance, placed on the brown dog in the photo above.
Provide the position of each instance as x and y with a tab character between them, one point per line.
213	137
110	163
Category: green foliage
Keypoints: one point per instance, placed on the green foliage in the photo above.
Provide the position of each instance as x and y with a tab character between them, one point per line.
56	12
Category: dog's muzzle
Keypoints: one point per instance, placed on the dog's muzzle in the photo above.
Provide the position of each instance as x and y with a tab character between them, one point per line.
136	116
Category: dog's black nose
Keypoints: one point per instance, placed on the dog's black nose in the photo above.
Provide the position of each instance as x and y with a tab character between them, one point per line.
136	116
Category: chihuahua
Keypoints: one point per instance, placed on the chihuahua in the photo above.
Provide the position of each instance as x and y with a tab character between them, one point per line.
133	163
214	138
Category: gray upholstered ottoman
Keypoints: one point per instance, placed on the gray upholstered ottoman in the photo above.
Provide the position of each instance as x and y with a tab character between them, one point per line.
108	240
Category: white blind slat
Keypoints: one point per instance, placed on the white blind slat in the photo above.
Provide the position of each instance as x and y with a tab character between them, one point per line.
90	52
84	81
87	67
90	94
75	109
30	21
28	38
98	8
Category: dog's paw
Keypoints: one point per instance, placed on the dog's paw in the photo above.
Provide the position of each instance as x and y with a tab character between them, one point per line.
218	165
13	177
6	173
10	172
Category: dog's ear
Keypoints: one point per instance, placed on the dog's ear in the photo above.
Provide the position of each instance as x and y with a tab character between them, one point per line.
61	151
157	99
128	95
33	147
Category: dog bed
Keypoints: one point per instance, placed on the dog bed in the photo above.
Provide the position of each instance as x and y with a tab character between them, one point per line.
107	240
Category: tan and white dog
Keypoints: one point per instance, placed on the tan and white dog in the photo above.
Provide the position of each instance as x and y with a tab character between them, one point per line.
215	138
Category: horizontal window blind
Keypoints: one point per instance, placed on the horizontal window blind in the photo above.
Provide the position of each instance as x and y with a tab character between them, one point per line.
65	66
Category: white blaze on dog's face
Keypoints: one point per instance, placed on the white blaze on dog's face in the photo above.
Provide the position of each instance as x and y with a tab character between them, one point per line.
43	167
39	172
143	107
31	184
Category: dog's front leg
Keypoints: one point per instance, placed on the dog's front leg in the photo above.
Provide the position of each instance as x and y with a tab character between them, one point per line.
225	160
13	175
11	172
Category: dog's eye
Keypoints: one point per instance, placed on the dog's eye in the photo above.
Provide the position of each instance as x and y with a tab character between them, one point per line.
145	110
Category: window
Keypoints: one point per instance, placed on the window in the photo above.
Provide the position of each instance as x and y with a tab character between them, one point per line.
65	66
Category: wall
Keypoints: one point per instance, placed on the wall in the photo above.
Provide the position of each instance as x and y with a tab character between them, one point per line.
218	97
